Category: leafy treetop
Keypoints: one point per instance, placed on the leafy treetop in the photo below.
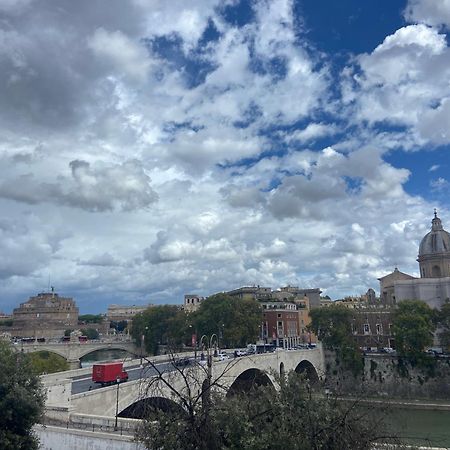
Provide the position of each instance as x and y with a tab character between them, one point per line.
21	400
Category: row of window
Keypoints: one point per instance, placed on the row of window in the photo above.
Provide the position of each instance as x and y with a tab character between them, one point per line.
366	328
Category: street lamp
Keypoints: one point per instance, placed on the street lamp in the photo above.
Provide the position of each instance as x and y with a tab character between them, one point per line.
117	402
194	341
142	344
208	347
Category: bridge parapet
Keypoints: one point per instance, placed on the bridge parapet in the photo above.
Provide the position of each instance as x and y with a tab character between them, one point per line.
74	351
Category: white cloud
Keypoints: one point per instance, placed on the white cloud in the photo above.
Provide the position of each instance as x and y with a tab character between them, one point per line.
404	82
439	184
124	187
127	56
189	191
313	131
431	12
434	167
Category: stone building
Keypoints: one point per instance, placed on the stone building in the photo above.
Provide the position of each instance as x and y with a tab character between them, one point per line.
285	321
119	313
433	286
288	292
372	326
192	302
44	316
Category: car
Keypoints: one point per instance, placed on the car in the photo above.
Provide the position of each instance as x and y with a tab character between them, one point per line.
387	350
182	362
435	351
222	356
238	353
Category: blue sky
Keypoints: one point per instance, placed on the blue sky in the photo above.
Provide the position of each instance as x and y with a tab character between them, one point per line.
152	149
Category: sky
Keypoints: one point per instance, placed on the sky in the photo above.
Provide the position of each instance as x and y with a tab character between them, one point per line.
154	148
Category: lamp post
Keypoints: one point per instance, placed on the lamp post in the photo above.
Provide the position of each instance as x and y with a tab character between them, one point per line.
142	344
208	347
194	341
117	402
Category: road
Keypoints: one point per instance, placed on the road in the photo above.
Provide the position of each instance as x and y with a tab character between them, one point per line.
84	383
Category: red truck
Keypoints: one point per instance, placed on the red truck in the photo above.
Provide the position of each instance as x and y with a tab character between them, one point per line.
109	373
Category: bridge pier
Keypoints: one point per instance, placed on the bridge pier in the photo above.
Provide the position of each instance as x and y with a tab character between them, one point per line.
74	364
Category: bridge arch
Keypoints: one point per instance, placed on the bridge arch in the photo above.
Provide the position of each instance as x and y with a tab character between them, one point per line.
307	368
43	348
88	351
249	380
143	407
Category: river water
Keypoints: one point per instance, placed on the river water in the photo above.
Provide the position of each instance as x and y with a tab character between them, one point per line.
104	355
424	427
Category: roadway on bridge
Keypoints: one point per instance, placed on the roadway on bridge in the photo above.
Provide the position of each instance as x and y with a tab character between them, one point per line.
84	383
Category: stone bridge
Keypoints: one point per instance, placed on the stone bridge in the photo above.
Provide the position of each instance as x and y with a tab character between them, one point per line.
74	351
231	374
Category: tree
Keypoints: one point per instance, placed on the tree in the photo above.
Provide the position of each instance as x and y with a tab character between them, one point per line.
90	318
235	321
292	416
333	326
21	400
160	325
90	333
119	326
413	329
47	362
442	319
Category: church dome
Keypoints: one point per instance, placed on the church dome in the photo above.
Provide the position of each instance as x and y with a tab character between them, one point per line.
437	240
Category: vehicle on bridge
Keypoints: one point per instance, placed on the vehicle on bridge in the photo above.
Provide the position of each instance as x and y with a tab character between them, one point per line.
109	373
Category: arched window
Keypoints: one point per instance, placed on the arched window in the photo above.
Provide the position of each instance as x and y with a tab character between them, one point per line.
436	272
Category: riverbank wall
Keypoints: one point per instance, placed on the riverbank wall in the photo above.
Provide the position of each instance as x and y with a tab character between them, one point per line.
390	377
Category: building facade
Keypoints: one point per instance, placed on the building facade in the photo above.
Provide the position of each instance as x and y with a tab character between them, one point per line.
433	286
119	313
192	302
44	316
284	322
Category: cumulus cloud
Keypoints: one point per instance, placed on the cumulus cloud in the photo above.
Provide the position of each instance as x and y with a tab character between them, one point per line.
100	188
404	82
126	56
198	141
431	12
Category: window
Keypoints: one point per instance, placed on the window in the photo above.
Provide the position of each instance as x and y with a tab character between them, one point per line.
366	328
379	328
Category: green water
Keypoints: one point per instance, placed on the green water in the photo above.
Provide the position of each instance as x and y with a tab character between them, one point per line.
422	427
103	355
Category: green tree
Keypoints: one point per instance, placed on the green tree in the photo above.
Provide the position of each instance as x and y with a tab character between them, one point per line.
442	319
235	321
119	326
90	333
47	362
413	329
160	325
21	400
333	326
90	318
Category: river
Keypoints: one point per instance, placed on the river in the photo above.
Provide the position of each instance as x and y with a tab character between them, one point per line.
104	355
424	427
